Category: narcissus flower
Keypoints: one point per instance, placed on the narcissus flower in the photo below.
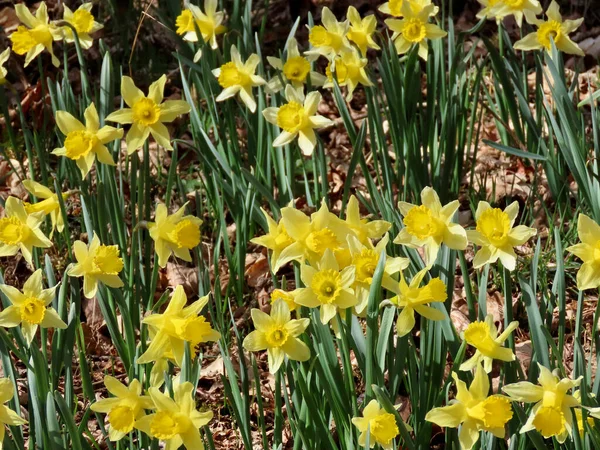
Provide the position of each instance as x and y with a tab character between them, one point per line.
3	58
124	408
379	424
49	205
30	308
276	238
486	11
363	228
238	77
176	421
430	226
96	263
551	415
330	38
278	334
298	118
588	250
20	231
489	346
174	233
497	236
84	143
147	114
361	30
327	287
504	8
37	34
413	29
84	23
348	69
287	297
177	325
473	410
209	23
7	415
394	7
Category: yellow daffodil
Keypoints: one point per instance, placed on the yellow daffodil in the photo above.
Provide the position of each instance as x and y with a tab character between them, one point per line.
552	29
551	415
486	11
84	143
361	30
488	345
177	325
592	412
49	205
84	23
379	424
295	71
363	228
504	8
473	410
30	308
276	238
278	334
394	7
96	263
348	69
497	236
327	287
588	250
209	23
287	297
3	58
20	231
176	421
238	77
147	114
430	226
414	29
7	415
330	38
174	233
37	34
298	118
124	408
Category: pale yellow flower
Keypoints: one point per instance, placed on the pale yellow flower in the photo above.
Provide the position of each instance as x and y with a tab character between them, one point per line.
49	204
379	424
517	8
361	30
330	38
394	7
3	58
7	415
84	23
588	250
348	69
209	22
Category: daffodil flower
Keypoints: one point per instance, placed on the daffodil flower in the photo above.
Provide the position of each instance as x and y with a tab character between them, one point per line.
379	424
414	29
7	415
517	8
84	143
488	345
473	410
363	228
330	38
147	114
238	77
209	23
295	70
298	118
278	334
551	414
48	206
348	69
30	308
588	250
96	263
176	421
37	35
486	11
394	7
327	287
361	30
174	233
497	236
287	297
21	231
592	413
127	406
276	238
552	29
430	226
84	23
3	58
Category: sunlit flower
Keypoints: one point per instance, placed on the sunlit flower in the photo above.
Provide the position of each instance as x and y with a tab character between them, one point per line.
287	297
174	233
3	58
361	30
84	23
473	410
504	8
176	421
413	29
84	143
30	308
330	38
588	250
20	231
379	424
295	70
327	287
96	263
37	34
486	11
298	118
592	412
147	114
430	226
238	77
7	415
124	408
348	69
49	205
363	228
177	325
278	334
497	235
488	345
209	23
276	238
552	29
551	415
394	7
